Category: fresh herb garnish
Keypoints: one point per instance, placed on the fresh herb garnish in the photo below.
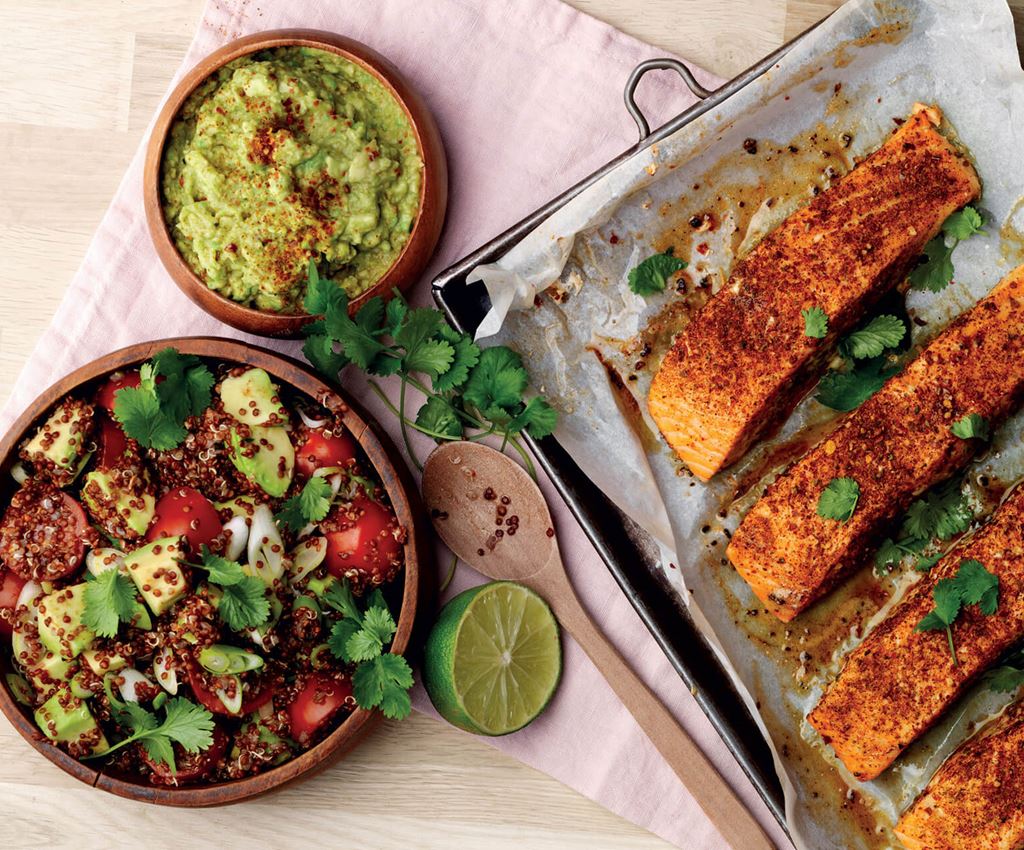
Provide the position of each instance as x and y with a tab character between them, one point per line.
815	322
464	389
381	680
972	426
936	272
312	504
651	276
874	338
1009	676
845	390
184	723
839	499
109	601
154	412
941	513
972	585
243	602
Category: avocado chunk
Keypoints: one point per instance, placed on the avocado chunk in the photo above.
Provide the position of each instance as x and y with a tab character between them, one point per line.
266	457
50	674
103	661
252	398
58	449
157	574
66	719
121	500
61	629
240	506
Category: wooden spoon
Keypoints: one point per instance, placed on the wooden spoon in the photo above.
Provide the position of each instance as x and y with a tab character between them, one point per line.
492	515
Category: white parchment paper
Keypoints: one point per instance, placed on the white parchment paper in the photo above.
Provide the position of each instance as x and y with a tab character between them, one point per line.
592	346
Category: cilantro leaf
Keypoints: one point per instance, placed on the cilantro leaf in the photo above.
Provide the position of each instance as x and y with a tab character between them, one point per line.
978	586
466	356
936	273
319	350
311	504
651	276
497	382
384	683
963	224
138	411
358	344
815	322
972	426
942	513
185	390
433	357
847	390
244	605
880	333
394	315
926	562
323	296
341	633
109	600
219	569
439	417
1005	679
839	499
538	418
185	723
340	597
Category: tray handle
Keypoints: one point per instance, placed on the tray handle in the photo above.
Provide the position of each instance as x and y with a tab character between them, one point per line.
657	65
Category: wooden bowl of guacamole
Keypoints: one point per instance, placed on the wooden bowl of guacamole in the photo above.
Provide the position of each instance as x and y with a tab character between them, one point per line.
285	148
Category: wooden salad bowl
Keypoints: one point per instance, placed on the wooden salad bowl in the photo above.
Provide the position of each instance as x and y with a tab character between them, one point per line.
401	492
426	231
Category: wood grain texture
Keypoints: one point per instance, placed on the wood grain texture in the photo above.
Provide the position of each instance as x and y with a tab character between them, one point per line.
103	65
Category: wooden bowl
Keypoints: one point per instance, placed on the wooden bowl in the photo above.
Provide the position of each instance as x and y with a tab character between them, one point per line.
397	484
426	230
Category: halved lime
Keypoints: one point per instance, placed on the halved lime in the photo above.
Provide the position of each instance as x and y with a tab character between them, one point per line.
493	659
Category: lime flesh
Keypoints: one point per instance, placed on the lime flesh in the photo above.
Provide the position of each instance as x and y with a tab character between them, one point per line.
493	659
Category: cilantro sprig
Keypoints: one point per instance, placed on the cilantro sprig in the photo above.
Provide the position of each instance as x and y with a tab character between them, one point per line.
154	413
183	723
243	601
651	275
467	392
972	426
839	499
311	504
941	514
109	601
866	363
1008	676
935	273
972	585
874	338
381	680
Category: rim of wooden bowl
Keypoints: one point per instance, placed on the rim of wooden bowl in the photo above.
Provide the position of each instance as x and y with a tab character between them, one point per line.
426	231
401	492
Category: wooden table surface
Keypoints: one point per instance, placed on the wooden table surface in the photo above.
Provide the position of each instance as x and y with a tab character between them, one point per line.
79	80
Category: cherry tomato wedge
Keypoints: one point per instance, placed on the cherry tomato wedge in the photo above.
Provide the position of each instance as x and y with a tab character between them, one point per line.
112	444
320	699
253	695
44	533
189	767
105	396
10	588
186	511
320	450
363	537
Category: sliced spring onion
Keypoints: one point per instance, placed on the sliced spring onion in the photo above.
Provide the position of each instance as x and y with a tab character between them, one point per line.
132	678
265	547
233	704
166	675
19	473
307	556
239	528
221	659
105	558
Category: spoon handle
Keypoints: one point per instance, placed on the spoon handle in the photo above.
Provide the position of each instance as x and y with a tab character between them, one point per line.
719	802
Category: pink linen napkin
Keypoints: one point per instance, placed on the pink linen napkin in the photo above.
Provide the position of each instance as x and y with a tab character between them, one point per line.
528	98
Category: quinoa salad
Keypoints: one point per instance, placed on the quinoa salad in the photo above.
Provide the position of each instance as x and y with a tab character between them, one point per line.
197	574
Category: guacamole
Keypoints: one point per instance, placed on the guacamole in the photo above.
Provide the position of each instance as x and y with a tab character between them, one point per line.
284	156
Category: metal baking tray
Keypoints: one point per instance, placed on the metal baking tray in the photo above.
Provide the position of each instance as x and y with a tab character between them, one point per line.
625	548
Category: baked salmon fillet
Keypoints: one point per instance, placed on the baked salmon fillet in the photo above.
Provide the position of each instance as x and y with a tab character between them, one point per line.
976	799
899	681
739	368
896	445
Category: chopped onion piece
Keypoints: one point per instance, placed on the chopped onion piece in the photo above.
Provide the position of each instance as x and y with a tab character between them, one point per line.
31	591
265	547
103	559
239	528
19	473
132	677
166	675
234	703
307	556
308	421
